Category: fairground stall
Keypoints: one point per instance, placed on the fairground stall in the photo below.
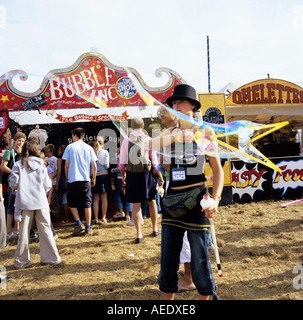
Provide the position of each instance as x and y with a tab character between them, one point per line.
92	93
269	101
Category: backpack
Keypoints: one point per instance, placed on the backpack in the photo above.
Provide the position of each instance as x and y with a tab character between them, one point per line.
138	156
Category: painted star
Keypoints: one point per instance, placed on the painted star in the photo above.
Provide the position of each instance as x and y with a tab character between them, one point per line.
4	98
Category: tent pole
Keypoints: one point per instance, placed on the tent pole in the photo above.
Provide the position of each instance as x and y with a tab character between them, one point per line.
208	64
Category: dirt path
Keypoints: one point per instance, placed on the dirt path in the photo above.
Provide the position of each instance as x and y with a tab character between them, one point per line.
260	244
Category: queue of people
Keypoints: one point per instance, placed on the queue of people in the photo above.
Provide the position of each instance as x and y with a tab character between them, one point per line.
80	177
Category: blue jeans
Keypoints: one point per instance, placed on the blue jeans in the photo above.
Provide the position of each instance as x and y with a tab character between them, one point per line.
62	191
171	245
117	197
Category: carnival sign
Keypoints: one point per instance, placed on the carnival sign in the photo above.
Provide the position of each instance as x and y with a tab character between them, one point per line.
267	91
256	182
291	176
247	179
92	118
91	82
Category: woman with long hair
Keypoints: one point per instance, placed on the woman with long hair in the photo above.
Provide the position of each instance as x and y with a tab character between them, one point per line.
30	180
103	185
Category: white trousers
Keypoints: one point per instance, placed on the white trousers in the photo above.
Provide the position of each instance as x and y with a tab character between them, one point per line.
2	226
48	249
185	255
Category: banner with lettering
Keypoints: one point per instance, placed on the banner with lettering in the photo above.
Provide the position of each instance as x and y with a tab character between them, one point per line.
253	181
92	81
266	92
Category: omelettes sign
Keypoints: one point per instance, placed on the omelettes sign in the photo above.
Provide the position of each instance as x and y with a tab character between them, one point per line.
267	91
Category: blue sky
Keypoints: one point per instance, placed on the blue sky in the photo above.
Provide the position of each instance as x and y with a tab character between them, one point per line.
248	38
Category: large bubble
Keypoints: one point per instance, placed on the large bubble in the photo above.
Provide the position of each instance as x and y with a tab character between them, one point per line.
233	140
228	141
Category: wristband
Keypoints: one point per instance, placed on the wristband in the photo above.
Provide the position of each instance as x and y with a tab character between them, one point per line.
216	195
160	178
93	179
1	199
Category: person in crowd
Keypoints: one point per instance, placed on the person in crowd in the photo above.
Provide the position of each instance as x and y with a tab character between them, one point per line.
49	150
187	177
9	158
79	158
170	122
40	135
2	217
103	184
139	173
117	194
49	193
29	177
60	187
186	280
3	278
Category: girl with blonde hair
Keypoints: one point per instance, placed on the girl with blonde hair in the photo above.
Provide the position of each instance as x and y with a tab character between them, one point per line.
103	185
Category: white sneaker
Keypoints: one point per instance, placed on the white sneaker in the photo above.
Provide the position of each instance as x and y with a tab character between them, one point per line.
132	223
119	214
11	236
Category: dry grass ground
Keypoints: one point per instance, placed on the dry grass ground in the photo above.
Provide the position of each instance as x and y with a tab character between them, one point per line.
260	243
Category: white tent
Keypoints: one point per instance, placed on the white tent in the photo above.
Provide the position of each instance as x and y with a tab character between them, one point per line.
267	114
229	88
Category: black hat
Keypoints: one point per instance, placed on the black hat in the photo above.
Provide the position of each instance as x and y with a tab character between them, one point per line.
184	92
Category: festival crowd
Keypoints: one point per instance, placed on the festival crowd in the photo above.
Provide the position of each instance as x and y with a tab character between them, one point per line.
43	189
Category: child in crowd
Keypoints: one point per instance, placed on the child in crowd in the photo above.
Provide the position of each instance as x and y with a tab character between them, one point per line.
30	178
9	158
61	188
50	192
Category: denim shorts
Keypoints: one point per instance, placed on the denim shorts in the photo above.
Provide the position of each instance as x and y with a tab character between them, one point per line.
102	184
171	245
11	201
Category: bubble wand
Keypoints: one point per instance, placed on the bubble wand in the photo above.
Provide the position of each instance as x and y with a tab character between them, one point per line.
213	236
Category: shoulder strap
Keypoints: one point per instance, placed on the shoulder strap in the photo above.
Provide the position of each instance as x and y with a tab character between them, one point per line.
13	156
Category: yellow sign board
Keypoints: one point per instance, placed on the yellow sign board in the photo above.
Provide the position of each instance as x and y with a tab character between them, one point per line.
213	110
